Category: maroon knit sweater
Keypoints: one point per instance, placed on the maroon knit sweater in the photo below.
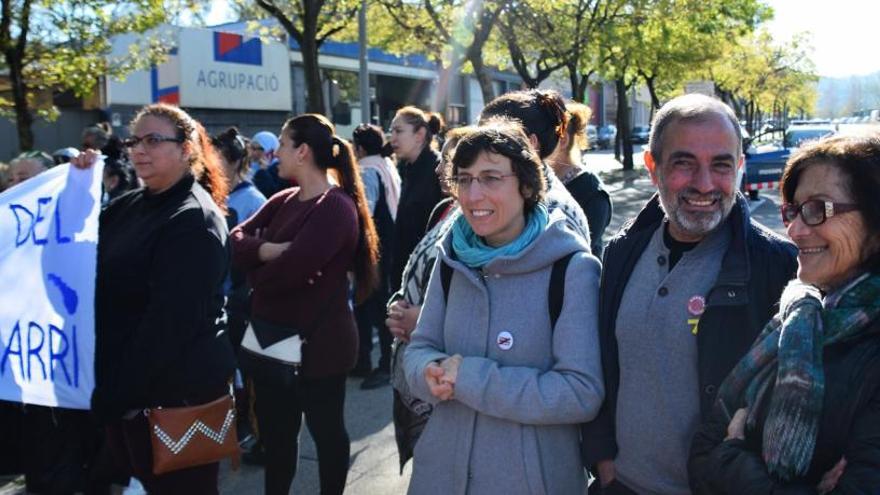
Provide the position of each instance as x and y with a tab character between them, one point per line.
307	286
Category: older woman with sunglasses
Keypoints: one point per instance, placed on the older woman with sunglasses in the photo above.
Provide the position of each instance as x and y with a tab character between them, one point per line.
801	412
509	382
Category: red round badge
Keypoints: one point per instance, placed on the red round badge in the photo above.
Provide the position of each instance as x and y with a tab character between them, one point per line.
696	305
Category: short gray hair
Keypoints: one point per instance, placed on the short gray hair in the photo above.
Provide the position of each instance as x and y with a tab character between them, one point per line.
690	108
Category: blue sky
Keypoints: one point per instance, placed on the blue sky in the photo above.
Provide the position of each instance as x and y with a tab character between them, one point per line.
844	32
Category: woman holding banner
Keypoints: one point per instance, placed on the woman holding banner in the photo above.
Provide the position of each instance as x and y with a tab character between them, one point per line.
159	325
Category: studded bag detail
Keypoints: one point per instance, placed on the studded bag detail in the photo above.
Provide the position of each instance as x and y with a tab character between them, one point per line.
184	437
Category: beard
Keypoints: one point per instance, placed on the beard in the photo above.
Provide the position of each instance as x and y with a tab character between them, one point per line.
695	223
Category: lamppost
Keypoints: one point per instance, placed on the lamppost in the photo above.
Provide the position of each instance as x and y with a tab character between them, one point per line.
364	75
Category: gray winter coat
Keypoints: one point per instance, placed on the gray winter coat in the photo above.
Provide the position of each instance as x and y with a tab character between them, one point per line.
512	426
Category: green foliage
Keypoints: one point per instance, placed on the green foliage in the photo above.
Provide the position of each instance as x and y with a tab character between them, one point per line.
310	23
450	32
317	20
542	36
660	42
443	30
68	43
762	76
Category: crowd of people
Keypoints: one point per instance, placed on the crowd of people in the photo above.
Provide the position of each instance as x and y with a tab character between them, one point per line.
694	352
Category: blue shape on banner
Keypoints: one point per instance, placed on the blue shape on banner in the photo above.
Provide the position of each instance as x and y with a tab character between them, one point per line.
71	300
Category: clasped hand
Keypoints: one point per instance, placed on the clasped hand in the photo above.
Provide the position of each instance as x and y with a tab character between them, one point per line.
441	377
737	428
402	318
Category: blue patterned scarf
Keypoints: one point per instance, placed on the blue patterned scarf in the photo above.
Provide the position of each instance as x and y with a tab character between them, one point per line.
786	360
473	252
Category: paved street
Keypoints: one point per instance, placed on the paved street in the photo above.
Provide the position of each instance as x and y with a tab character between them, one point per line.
374	466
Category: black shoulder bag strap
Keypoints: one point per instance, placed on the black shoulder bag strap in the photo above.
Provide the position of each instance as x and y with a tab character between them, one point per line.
556	290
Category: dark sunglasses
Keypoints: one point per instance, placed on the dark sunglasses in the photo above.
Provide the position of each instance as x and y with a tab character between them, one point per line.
150	140
813	212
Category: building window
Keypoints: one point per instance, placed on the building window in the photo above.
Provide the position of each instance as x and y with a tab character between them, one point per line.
344	92
456	116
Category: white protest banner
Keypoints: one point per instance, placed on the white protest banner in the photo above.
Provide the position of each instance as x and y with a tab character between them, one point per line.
48	256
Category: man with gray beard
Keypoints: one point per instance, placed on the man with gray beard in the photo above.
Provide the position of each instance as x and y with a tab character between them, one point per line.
686	287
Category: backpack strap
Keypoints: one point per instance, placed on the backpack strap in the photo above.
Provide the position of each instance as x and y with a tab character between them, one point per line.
556	291
445	278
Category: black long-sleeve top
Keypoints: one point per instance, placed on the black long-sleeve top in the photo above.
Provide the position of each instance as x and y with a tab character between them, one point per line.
159	320
589	192
420	192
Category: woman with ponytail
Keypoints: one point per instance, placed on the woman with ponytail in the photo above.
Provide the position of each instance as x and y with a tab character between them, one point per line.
302	341
412	136
244	198
585	187
162	260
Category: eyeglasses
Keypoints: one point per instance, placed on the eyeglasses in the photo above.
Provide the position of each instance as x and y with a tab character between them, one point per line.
490	182
814	212
149	141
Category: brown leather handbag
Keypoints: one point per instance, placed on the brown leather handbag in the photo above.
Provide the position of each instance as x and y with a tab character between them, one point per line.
184	437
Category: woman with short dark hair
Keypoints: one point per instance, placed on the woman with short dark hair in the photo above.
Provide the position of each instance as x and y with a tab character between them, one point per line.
801	411
509	382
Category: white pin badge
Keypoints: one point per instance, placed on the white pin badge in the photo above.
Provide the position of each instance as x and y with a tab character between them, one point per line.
504	341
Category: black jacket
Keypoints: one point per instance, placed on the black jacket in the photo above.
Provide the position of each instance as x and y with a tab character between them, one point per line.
420	192
849	427
756	267
589	192
162	260
268	181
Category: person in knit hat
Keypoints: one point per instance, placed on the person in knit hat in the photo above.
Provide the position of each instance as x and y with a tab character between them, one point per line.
264	164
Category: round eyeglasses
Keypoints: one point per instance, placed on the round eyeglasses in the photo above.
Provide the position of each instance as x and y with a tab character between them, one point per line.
490	182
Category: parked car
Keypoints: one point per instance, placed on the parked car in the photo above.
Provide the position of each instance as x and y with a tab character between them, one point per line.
764	168
592	136
607	135
640	134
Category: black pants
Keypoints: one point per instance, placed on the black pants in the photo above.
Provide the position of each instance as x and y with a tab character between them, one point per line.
369	314
280	408
59	450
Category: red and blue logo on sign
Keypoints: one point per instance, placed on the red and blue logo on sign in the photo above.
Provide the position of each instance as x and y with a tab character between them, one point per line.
164	94
233	48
